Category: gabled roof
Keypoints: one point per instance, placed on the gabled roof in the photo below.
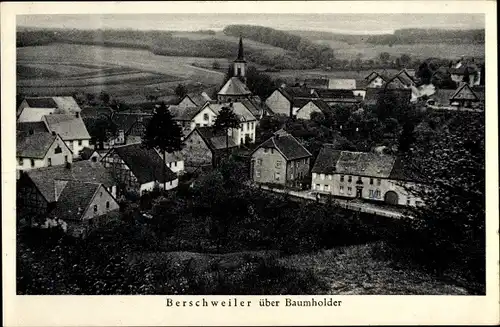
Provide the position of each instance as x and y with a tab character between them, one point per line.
287	145
316	82
241	111
214	140
341	84
326	160
41	102
299	92
145	164
364	164
184	113
67	104
464	92
83	171
234	86
74	200
372	94
95	112
32	127
252	106
67	126
405	77
33	145
373	75
126	122
318	102
197	99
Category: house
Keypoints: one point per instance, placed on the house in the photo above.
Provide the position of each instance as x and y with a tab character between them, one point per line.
341	84
464	97
205	147
139	169
317	83
174	161
376	79
466	69
373	94
194	100
34	108
131	127
191	117
312	106
90	154
36	189
343	97
284	99
248	122
71	129
82	206
362	175
281	159
37	150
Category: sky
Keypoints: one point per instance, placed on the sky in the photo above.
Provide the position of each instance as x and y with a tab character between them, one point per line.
336	23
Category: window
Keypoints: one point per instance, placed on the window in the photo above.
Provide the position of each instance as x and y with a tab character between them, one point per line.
57	150
259	162
175	163
77	115
49	161
20	161
314	175
359	179
95	208
322	176
341	189
257	173
272	150
32	162
278	163
277	176
265	150
408	201
198	125
371	181
79	142
377	194
107	204
100	194
327	187
318	186
349	190
94	159
205	117
349	179
342	178
379	181
291	176
65	158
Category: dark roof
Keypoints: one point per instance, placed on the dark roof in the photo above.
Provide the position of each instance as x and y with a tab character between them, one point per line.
299	103
33	146
316	82
252	106
95	112
287	145
335	94
370	77
184	113
41	102
322	105
372	94
364	164
326	160
214	140
74	199
127	122
442	96
361	84
145	164
299	92
83	171
86	153
32	127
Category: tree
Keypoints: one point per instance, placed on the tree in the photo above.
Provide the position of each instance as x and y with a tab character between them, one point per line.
384	57
163	133
180	90
102	130
407	138
216	65
405	60
104	97
225	120
259	83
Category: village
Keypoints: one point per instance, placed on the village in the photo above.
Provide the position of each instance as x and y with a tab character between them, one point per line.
67	177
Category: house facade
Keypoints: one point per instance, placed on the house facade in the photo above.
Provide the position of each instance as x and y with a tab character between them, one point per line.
246	132
280	160
279	102
312	106
191	117
40	150
139	169
71	129
366	176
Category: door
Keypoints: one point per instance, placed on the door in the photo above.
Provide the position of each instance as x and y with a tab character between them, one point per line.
391	197
359	192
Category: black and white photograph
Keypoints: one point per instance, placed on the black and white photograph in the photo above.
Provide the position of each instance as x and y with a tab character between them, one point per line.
236	154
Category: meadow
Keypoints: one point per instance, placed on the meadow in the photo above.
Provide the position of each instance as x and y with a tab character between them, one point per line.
125	74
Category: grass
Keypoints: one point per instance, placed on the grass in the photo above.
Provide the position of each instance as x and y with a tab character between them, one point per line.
290	75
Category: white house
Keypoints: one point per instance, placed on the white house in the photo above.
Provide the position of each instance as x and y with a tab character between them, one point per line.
71	129
248	122
362	175
34	108
311	106
191	117
39	150
174	161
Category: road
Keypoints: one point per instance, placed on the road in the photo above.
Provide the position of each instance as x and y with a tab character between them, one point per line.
354	205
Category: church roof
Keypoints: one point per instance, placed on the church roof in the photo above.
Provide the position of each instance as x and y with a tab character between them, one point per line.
241	57
234	86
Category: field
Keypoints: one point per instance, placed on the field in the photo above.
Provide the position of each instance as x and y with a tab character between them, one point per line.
126	74
368	51
289	76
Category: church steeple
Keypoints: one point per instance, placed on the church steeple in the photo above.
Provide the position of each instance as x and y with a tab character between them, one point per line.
240	65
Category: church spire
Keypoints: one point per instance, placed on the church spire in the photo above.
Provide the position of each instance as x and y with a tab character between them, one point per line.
240	51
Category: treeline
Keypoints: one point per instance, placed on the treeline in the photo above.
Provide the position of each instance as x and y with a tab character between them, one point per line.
319	55
412	36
